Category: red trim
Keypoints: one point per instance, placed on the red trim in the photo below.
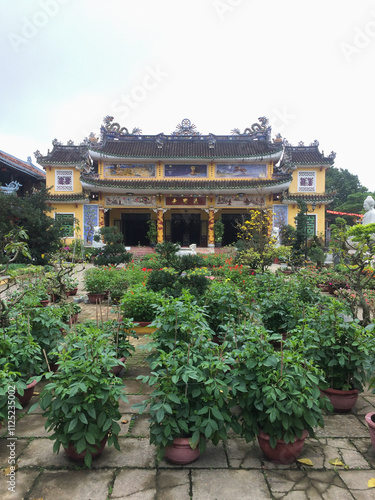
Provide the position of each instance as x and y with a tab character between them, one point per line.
343	213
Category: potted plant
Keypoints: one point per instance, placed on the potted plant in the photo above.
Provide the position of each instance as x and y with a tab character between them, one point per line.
138	303
96	284
189	405
219	232
114	251
152	232
119	333
21	354
343	349
280	401
10	386
81	401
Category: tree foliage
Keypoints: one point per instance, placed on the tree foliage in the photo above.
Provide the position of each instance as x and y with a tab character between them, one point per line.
345	184
30	212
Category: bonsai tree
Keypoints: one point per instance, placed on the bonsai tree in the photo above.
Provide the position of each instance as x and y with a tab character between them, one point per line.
114	251
152	233
355	247
219	231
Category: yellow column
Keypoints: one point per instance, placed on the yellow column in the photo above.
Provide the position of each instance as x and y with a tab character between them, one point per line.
211	223
160	225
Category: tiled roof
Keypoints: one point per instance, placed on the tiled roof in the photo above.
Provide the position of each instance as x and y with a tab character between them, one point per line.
67	198
22	166
64	155
195	147
310	197
172	184
307	155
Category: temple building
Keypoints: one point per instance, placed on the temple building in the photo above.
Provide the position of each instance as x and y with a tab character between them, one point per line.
185	181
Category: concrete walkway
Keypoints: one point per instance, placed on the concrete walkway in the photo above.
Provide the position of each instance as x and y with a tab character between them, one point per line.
233	470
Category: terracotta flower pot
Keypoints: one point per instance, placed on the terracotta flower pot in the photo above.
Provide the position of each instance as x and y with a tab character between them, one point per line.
44	302
180	452
95	298
71	451
283	453
27	395
370	420
342	401
72	292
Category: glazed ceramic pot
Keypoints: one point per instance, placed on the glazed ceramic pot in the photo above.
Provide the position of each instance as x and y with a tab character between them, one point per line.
71	451
283	453
370	420
27	395
116	370
95	298
342	401
180	452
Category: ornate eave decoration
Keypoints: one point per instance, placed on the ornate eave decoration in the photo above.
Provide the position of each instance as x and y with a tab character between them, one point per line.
186	128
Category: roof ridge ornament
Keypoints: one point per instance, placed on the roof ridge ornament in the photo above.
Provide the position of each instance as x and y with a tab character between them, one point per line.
186	128
254	128
115	128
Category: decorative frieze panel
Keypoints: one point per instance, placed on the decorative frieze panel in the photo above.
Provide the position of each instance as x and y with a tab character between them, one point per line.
240	200
90	221
140	170
130	201
306	182
280	215
64	180
185	171
239	170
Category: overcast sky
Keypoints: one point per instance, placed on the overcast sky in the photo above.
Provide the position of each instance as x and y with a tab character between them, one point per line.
307	66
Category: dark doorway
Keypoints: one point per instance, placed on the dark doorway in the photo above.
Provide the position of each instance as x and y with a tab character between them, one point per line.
186	229
230	231
134	229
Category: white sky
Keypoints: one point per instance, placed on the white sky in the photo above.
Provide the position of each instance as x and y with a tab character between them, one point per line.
307	66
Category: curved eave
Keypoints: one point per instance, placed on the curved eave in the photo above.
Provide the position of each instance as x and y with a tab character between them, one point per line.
95	155
61	201
254	188
321	199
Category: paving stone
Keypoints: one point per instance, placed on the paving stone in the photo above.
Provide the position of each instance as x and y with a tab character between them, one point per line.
366	449
124	423
140	426
213	457
135	386
136	484
364	405
24	481
173	484
73	484
31	426
229	485
39	453
309	485
243	455
132	400
133	453
356	481
342	426
345	451
21	444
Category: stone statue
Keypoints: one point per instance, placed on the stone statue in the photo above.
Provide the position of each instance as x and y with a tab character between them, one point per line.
369	216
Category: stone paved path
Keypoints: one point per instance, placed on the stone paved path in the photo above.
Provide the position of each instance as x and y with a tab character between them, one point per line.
234	470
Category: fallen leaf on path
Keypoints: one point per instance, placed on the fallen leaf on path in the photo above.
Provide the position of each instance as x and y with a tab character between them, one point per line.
305	461
336	462
371	483
8	470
